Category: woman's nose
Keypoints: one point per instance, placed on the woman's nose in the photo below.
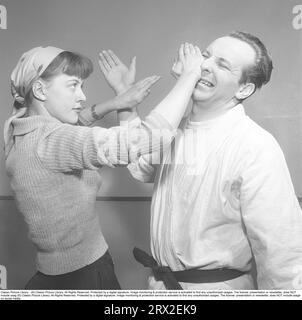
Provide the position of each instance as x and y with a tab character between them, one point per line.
81	95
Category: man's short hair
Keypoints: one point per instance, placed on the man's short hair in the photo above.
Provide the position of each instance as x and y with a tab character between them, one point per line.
260	72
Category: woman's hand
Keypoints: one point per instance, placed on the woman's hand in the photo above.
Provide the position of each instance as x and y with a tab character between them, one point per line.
116	73
189	60
177	68
135	94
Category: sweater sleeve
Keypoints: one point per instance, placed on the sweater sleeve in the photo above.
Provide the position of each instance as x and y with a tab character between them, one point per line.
144	168
66	147
272	216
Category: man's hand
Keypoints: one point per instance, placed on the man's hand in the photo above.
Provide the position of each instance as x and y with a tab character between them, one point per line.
116	73
135	94
189	59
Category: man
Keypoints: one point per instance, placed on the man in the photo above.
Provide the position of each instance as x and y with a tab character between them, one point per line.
232	198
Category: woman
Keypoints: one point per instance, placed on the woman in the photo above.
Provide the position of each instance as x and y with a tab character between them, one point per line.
52	163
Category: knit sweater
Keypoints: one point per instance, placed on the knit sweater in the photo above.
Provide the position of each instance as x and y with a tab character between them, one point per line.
53	173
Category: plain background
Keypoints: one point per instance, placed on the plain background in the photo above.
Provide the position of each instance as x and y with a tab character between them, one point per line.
153	31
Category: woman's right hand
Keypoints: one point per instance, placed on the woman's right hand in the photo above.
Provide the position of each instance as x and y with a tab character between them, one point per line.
135	94
189	60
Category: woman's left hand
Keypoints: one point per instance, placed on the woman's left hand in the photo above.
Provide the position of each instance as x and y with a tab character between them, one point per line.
135	94
116	73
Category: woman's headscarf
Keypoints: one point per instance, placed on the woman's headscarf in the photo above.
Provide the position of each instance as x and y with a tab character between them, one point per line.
28	69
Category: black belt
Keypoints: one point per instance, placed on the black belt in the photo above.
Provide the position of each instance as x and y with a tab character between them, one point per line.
171	278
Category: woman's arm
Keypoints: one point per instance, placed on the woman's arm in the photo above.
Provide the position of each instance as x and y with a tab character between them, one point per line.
64	147
128	94
173	106
126	100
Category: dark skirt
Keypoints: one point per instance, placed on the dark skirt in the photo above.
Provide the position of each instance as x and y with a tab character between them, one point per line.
99	275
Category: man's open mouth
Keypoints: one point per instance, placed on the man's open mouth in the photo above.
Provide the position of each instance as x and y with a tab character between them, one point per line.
206	83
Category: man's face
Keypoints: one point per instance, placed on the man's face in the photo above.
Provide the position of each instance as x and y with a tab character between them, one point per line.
63	98
221	70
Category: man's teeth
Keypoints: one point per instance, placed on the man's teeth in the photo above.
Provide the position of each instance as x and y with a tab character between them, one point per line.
206	83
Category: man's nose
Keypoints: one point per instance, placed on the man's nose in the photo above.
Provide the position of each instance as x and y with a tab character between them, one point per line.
206	65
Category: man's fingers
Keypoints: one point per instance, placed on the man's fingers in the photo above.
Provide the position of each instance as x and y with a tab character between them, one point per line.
104	61
108	58
114	57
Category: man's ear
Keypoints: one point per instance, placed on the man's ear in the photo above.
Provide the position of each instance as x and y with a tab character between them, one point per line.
245	90
39	90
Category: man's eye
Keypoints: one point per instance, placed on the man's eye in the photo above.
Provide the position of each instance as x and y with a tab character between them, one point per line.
224	66
205	55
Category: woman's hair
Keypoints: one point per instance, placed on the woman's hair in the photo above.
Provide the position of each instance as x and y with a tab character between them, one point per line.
70	63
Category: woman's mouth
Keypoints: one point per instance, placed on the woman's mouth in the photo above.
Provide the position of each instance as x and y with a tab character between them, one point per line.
77	109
